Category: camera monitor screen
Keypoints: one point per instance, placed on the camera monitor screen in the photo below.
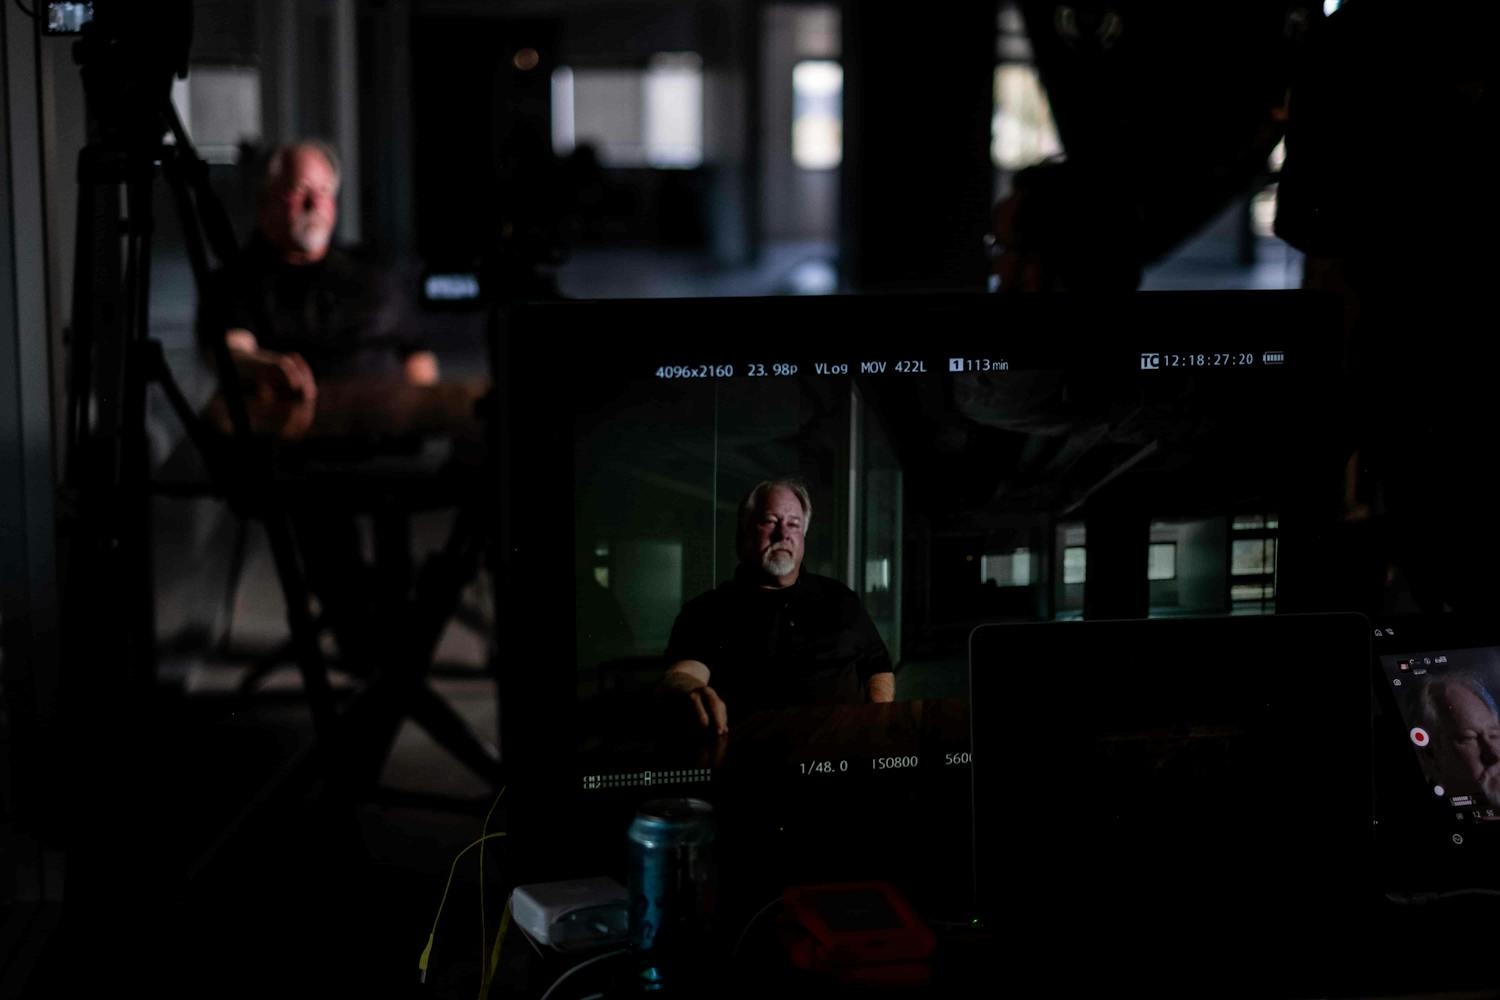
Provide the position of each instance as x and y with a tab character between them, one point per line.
806	505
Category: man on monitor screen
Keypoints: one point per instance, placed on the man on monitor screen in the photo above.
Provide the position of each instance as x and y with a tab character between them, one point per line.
1463	719
775	635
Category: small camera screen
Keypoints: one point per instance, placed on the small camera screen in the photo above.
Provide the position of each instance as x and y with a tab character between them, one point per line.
1448	702
68	18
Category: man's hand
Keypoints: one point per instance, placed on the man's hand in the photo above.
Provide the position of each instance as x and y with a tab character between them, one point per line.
710	709
689	679
285	376
420	368
881	688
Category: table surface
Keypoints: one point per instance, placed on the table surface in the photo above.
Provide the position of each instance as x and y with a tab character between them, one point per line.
363	408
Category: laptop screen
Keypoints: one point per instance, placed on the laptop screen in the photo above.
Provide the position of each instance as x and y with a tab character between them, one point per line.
1194	781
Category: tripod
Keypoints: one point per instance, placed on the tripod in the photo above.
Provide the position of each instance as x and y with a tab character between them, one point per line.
115	361
109	604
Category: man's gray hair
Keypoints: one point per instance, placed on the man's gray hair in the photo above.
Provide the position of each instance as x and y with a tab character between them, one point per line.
754	500
279	160
1432	705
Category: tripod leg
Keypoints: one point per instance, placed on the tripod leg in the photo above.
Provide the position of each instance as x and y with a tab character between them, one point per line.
300	620
453	733
402	690
232	584
389	650
439	595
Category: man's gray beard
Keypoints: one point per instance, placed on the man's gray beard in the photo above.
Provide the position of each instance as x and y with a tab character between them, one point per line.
1489	785
310	236
778	562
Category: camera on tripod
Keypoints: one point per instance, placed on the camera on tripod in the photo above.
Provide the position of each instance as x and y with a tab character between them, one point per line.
128	54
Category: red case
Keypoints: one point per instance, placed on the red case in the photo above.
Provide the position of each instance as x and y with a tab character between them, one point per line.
815	911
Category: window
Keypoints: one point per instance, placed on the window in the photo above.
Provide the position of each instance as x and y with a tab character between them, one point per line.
633	117
1251	592
564	121
1075	564
1263	204
1007	569
1021	131
673	120
1252	558
220	109
817	114
1161	561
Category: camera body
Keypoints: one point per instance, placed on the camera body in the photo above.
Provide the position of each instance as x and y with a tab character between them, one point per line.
128	54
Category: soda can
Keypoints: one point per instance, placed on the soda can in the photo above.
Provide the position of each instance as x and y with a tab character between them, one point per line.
671	889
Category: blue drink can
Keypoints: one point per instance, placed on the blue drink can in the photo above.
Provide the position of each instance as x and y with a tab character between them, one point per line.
671	889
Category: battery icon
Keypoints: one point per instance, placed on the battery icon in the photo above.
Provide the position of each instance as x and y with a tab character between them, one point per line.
1273	357
955	364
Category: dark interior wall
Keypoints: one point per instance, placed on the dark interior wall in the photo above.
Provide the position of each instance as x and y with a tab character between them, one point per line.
731	146
62	137
628	35
386	129
226	31
916	176
1203	566
315	105
30	676
481	135
796	204
590	32
308	56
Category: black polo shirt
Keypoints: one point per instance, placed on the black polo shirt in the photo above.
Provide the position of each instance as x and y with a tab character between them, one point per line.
343	314
811	643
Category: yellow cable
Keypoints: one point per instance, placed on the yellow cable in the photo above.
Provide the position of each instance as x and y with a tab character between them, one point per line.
495	951
484	931
427	951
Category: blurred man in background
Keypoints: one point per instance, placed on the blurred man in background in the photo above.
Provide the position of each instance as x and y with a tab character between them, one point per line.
296	310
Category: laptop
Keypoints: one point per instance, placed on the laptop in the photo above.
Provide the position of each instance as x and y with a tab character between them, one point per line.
1182	804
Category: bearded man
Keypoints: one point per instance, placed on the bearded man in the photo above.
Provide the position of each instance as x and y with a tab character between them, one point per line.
776	635
1463	718
296	310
